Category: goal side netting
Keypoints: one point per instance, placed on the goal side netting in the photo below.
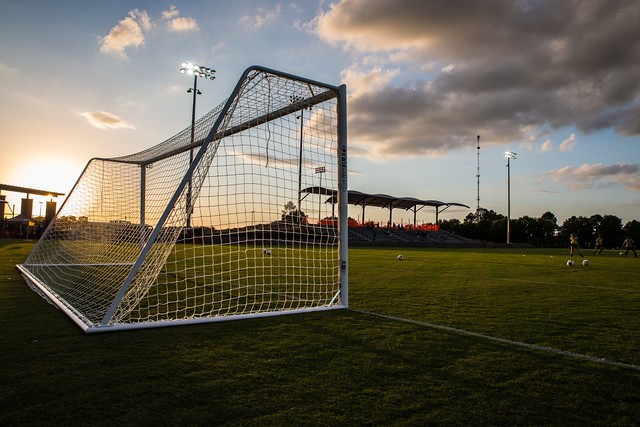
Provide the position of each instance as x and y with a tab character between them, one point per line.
245	216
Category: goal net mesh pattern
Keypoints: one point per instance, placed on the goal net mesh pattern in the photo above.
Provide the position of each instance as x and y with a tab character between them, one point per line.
241	219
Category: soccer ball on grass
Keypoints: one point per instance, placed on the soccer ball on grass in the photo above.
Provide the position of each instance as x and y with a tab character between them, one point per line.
570	263
400	257
585	262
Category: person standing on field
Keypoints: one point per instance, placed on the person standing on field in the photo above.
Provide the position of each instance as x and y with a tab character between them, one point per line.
629	245
598	248
574	244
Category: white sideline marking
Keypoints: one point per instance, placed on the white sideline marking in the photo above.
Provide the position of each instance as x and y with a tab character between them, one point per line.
546	349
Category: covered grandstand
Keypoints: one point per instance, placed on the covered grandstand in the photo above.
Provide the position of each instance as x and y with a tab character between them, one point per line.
384	201
390	234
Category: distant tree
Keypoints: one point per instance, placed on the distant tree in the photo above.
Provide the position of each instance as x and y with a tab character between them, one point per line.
469	228
611	230
475	216
537	231
290	213
547	227
581	226
548	216
596	223
497	229
484	225
491	216
491	226
525	229
451	225
632	229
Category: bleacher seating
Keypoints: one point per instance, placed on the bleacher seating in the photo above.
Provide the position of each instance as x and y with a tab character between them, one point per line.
373	236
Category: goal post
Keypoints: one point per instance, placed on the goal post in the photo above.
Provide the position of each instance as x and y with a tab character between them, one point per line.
246	216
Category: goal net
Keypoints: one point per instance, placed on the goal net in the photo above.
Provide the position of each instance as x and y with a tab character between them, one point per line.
245	216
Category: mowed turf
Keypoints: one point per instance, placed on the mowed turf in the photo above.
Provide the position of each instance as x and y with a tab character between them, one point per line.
350	367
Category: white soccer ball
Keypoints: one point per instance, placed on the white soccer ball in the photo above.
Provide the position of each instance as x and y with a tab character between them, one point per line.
621	253
585	262
266	251
400	257
570	263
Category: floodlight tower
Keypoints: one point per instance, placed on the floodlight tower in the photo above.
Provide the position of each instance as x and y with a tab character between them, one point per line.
320	170
294	99
478	177
509	155
195	71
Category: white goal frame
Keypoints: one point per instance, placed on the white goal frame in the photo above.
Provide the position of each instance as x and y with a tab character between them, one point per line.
243	216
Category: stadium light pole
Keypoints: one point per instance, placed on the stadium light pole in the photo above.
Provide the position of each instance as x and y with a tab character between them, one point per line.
195	71
295	99
478	178
320	170
509	155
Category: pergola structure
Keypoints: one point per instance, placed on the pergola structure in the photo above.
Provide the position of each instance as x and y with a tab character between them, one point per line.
384	201
28	191
27	203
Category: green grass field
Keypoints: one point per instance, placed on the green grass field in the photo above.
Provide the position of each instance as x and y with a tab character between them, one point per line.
529	341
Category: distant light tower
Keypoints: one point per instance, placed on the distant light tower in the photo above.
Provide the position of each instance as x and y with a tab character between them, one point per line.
195	71
509	155
320	170
294	99
478	177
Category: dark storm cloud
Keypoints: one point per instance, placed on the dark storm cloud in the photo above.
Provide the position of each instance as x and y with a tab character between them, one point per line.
512	70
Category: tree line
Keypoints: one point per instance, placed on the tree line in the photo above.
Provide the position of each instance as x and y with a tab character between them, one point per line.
488	225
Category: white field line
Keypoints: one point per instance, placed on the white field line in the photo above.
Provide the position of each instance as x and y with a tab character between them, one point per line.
542	348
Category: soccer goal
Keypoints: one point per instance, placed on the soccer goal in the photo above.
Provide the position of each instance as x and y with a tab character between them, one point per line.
246	216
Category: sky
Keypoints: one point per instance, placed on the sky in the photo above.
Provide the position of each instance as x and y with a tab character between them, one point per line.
554	81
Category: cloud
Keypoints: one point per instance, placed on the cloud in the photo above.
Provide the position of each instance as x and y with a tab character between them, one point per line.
178	23
4	68
127	33
172	13
356	151
363	81
104	120
262	18
546	146
130	31
175	89
568	144
269	158
448	69
181	24
598	175
509	69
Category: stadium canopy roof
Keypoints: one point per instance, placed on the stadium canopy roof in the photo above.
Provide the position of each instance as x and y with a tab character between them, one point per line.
384	201
27	191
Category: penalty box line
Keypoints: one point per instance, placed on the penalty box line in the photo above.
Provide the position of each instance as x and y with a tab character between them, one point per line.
570	354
